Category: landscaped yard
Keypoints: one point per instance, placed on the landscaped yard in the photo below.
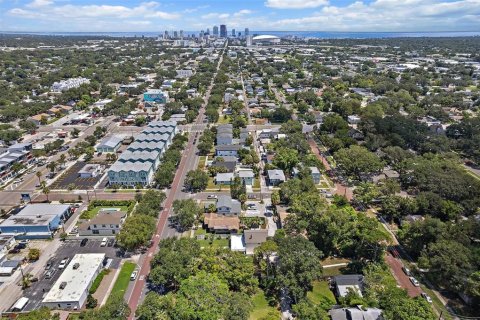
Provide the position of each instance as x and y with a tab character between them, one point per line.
223	119
321	292
260	306
123	278
217	243
98	280
89	214
212	186
201	162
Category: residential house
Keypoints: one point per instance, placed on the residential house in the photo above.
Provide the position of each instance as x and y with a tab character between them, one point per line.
315	173
356	314
345	283
227	150
228	162
246	176
155	95
254	238
227	206
275	177
105	223
224	178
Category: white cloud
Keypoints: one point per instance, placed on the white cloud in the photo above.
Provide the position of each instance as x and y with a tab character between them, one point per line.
390	15
39	3
44	10
295	4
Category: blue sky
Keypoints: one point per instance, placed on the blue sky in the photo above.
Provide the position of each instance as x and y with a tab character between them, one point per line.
281	15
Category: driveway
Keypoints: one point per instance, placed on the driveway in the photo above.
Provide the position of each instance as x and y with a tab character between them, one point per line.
402	279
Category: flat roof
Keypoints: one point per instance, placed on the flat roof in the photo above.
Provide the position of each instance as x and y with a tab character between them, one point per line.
77	281
35	214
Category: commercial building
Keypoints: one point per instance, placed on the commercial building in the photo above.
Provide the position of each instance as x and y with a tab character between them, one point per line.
109	144
90	170
223	31
137	165
247	32
36	221
215	31
18	153
70	291
68	84
155	95
265	39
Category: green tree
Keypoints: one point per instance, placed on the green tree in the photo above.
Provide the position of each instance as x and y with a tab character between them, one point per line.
299	265
42	313
186	211
286	159
305	310
196	180
137	231
357	161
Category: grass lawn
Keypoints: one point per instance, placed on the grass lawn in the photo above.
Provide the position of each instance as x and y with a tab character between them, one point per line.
223	120
200	232
89	214
260	306
212	186
201	162
123	278
256	184
217	243
98	280
321	292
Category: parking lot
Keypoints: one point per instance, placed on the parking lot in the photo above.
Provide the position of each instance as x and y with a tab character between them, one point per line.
67	250
70	177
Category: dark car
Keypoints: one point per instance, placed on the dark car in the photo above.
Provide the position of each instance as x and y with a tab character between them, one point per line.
14	250
21	245
110	242
49	264
84	242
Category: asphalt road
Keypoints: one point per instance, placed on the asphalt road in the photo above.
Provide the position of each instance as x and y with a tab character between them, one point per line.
188	162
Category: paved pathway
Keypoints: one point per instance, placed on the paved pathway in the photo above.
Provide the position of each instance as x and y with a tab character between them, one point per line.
402	279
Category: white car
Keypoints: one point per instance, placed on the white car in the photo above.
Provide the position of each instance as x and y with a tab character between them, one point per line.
414	282
134	275
63	263
427	297
211	196
104	242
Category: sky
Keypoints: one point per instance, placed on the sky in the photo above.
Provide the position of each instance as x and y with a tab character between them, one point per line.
258	15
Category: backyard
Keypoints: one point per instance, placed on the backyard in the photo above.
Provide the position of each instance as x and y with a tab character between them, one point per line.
261	308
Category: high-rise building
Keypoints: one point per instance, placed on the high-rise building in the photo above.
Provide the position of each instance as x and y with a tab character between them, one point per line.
247	32
165	35
208	31
223	31
215	31
202	34
175	34
181	34
249	40
233	33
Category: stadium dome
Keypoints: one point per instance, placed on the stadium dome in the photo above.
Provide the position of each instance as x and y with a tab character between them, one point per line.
266	37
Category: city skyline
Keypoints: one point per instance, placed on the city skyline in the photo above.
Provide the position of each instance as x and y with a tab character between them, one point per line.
274	15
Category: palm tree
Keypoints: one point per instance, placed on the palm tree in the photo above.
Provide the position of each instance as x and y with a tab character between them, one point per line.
45	189
27	280
62	159
52	166
39	176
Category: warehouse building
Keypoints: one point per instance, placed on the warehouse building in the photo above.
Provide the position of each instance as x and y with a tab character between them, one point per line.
36	221
70	291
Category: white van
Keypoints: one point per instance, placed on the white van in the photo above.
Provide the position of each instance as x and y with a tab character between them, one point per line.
20	304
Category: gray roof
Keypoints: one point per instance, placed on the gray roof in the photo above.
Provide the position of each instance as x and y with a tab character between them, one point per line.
255	236
276	175
246	173
131	166
348	279
153	137
356	314
227	201
139	145
36	214
314	170
228	148
110	142
161	124
131	156
224	176
151	130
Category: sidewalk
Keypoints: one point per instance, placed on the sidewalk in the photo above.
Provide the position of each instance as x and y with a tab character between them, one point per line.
103	291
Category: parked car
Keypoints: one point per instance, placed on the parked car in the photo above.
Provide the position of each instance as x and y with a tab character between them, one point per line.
49	274
63	263
104	242
83	243
414	282
252	196
49	264
211	196
110	242
406	271
14	250
427	297
134	275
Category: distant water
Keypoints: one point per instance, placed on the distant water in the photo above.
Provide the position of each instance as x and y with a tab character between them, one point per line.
300	34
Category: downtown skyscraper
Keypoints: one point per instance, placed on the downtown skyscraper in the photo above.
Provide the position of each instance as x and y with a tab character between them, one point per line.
223	31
